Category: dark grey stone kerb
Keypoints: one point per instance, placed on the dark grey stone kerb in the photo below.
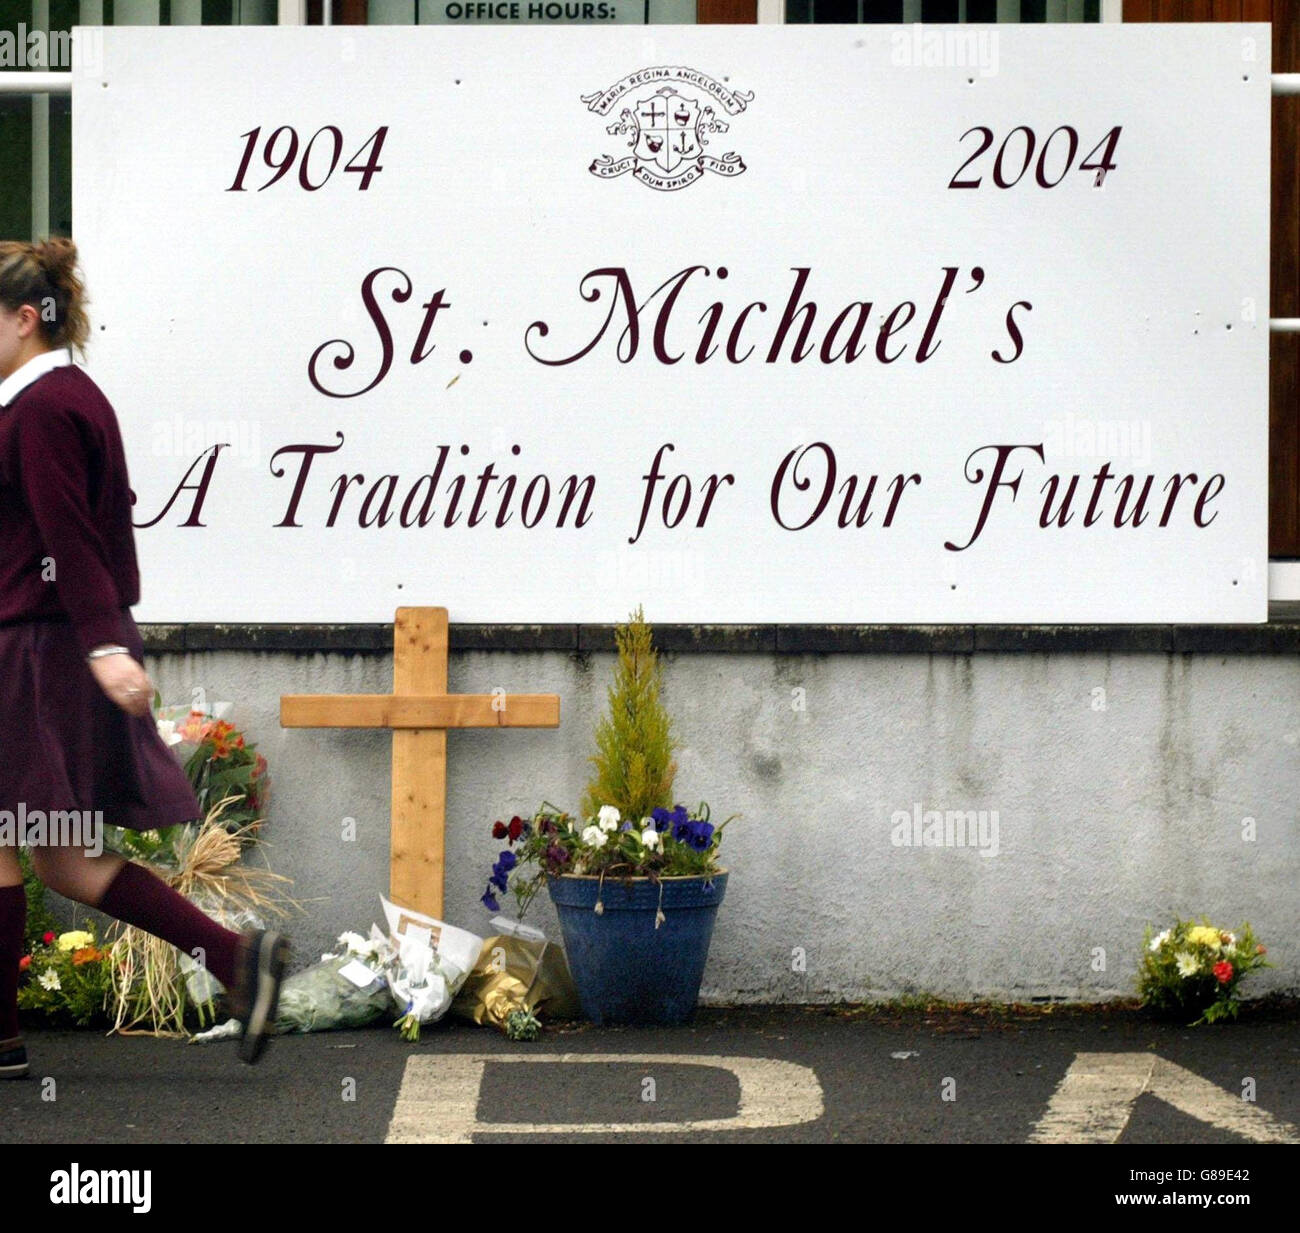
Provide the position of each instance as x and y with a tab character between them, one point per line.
1279	636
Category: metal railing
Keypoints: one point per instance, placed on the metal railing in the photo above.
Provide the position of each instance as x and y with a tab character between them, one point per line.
18	82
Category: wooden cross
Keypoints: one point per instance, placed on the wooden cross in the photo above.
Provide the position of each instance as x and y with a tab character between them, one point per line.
419	710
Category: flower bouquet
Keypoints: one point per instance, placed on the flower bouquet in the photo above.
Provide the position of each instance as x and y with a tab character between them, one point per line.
415	969
345	990
431	961
66	978
221	765
1196	969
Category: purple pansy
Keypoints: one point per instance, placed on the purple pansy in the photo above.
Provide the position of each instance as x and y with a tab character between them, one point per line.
701	836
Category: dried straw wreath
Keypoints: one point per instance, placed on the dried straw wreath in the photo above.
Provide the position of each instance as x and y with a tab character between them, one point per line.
148	991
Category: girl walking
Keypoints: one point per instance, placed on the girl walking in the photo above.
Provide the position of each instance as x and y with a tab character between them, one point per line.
76	727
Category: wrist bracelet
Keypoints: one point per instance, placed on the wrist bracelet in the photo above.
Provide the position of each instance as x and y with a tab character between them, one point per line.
100	652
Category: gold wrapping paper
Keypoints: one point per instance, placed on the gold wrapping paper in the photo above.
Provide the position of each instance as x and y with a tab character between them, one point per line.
517	974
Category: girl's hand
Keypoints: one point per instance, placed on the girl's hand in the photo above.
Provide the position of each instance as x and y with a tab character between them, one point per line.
125	682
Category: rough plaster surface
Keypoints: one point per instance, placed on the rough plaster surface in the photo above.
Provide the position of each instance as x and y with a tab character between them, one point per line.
1115	808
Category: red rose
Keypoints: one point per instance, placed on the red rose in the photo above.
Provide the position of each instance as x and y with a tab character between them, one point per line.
24	963
1223	972
48	939
498	830
516	827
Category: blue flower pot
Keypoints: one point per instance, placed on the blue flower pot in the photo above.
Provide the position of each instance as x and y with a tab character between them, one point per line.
626	970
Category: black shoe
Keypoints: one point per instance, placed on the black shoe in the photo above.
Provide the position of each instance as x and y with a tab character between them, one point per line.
13	1058
265	959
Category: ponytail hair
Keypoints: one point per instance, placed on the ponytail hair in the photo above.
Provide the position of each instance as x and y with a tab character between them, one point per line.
45	276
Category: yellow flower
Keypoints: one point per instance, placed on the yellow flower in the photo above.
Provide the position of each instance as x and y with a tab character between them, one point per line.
1203	935
75	939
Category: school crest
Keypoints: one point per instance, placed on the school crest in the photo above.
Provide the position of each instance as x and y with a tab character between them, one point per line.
667	116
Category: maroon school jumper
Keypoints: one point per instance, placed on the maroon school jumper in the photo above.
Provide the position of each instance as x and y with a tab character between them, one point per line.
65	509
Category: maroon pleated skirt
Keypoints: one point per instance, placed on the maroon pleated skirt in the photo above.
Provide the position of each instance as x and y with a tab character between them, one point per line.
65	745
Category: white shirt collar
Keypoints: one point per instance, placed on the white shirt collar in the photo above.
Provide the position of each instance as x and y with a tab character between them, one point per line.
25	374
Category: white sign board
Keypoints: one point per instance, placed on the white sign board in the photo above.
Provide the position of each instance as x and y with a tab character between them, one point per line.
747	324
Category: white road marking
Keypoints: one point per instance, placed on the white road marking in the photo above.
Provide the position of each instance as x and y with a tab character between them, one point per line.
1093	1102
438	1100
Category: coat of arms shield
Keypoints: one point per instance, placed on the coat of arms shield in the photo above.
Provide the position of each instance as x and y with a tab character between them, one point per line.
666	129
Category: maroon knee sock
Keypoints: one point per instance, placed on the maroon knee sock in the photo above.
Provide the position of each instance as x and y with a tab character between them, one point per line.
13	924
139	898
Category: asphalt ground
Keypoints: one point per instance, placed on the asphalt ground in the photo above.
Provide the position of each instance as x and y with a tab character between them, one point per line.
1224	1094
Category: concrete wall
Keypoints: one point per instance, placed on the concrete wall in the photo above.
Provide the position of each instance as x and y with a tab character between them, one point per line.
1122	783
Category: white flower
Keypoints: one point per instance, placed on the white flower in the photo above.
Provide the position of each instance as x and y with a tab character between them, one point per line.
352	941
650	838
594	837
167	730
609	818
1159	940
50	981
1187	964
